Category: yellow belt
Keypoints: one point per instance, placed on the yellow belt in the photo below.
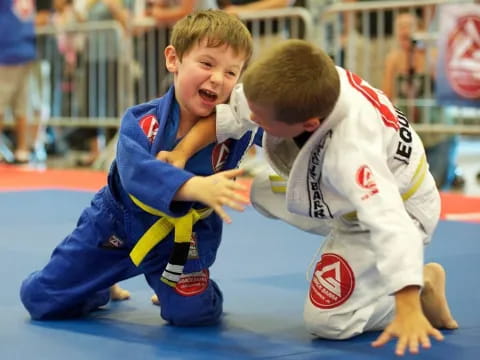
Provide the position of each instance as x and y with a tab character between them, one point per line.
160	229
279	185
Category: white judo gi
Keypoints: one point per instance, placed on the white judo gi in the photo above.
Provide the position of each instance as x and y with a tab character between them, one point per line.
361	179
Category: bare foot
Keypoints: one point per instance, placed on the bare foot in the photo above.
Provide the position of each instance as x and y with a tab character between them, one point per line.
155	300
119	294
434	300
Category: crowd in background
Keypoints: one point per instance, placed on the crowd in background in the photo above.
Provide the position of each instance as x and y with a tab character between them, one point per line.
28	143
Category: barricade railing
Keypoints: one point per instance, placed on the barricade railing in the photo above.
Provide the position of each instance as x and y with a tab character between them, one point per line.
151	79
88	75
359	35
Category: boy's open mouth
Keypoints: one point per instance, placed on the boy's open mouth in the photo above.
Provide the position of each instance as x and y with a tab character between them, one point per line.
208	95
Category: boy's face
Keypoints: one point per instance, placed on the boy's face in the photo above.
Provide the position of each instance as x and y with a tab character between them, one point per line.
264	116
204	77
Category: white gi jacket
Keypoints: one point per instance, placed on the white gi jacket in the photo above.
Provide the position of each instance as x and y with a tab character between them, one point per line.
361	160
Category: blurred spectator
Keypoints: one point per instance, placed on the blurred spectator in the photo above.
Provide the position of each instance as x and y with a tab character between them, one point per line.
97	64
409	78
170	11
262	40
17	51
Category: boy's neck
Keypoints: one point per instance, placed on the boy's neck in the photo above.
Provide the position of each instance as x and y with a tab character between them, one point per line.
301	139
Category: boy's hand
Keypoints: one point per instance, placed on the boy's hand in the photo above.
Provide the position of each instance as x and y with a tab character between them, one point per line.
216	191
410	326
174	157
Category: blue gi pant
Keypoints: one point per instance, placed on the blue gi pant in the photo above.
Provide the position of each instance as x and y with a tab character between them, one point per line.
81	269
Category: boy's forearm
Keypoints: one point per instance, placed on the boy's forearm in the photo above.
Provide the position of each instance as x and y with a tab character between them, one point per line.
200	135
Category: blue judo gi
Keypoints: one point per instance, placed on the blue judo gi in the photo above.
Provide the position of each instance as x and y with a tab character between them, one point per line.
96	254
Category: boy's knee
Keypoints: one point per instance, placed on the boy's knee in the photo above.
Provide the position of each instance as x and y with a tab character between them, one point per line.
328	325
199	310
37	305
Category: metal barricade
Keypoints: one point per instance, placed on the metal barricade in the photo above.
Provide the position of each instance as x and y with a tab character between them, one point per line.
151	79
89	73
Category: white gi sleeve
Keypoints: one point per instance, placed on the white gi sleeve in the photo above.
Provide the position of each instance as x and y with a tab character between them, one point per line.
233	119
360	173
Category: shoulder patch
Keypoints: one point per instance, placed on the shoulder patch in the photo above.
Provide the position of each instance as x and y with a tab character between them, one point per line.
149	125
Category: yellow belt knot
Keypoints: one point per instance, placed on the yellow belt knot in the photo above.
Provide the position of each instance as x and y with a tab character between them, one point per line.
159	230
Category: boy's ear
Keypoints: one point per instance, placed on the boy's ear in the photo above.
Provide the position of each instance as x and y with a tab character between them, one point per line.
312	124
171	59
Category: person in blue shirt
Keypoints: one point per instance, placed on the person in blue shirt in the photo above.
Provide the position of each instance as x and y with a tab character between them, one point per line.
153	218
17	53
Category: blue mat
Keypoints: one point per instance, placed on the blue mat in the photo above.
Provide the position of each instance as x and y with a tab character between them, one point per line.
261	269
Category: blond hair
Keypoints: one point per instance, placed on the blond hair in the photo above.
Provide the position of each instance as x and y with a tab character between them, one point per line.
298	80
215	26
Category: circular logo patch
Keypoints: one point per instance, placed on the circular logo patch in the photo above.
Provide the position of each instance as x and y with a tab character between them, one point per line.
332	283
193	283
365	177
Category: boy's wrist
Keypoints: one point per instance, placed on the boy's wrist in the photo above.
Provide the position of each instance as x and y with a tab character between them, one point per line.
408	299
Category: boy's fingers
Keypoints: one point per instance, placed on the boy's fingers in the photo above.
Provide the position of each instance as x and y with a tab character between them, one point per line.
401	345
223	215
382	339
436	334
425	341
413	346
233	173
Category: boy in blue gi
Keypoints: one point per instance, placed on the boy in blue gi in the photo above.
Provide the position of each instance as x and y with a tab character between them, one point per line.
153	218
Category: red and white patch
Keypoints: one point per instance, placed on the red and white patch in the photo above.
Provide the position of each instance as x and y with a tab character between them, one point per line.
462	60
364	178
149	125
24	9
193	283
220	155
332	283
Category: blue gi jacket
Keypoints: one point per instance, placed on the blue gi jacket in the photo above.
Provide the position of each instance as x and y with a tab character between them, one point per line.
136	172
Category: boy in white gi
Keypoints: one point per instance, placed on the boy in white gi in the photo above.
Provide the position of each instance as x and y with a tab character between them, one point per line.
356	172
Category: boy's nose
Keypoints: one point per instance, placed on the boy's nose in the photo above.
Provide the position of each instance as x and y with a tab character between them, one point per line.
216	77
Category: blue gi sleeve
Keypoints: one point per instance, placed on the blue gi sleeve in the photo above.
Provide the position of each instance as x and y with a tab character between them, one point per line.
152	182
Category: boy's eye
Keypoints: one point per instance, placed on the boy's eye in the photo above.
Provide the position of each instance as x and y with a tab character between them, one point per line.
206	63
231	73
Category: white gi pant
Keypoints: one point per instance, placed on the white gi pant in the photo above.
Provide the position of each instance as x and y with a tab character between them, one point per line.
349	265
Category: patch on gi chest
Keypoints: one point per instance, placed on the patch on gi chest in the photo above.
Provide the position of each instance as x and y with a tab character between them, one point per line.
220	155
193	283
149	125
332	283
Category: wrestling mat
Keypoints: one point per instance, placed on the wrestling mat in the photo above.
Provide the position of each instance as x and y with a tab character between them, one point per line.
260	267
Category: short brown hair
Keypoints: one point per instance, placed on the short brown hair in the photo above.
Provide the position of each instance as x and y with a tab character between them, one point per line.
296	78
217	27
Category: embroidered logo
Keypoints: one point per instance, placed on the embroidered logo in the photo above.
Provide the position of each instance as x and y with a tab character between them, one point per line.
332	283
193	283
113	242
193	250
365	179
220	155
149	125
